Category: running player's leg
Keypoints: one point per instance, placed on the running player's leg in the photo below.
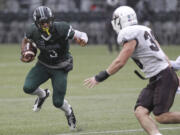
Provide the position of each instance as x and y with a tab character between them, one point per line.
59	84
36	76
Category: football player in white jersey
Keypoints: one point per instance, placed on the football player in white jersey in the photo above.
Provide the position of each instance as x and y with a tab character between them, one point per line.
139	43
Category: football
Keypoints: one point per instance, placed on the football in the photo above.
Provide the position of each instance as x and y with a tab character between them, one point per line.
29	51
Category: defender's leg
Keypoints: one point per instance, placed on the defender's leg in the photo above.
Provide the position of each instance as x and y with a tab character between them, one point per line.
147	123
144	106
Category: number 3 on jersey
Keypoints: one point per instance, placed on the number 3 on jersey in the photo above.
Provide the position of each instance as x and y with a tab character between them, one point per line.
53	53
148	37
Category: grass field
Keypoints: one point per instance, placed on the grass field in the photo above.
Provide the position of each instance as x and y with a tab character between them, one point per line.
106	109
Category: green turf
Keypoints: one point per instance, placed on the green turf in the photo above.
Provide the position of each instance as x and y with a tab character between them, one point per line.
106	109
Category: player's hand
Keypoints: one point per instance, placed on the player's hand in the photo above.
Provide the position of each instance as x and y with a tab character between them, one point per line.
81	42
90	82
24	59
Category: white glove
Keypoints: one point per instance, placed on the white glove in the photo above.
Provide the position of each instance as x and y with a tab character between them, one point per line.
81	35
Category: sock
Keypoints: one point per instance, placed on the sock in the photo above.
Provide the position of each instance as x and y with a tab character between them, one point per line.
66	107
39	92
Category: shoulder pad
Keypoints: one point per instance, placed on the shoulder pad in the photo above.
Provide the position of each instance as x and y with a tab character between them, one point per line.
127	34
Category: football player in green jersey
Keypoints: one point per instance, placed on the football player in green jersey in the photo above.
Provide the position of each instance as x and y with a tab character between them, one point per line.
54	60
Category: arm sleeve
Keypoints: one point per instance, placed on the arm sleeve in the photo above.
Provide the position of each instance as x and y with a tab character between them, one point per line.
70	33
65	30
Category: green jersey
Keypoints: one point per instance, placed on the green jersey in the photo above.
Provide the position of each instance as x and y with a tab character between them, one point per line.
54	49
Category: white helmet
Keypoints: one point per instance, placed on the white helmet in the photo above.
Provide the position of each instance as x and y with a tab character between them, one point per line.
123	16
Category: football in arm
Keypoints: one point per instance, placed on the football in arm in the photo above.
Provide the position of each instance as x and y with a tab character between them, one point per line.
29	52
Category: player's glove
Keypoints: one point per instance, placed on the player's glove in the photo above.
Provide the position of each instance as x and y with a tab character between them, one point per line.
80	37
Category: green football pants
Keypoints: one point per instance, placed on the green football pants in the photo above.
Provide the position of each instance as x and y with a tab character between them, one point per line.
40	74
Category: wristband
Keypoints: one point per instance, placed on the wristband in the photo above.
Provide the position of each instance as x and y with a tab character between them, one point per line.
103	75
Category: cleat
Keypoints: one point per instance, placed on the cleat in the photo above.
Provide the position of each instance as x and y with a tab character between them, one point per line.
39	101
71	120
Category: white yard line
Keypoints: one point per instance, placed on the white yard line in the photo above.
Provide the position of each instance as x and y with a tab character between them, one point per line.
117	131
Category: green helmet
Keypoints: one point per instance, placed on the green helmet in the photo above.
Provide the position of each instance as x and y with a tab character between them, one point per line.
42	15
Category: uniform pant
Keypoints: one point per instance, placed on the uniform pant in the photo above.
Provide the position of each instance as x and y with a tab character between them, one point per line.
39	74
159	94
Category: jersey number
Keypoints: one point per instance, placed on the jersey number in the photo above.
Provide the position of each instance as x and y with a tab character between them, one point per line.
150	38
53	54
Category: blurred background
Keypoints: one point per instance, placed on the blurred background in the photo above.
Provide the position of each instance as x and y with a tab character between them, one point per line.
93	17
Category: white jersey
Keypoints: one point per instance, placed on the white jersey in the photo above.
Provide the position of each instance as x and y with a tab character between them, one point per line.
147	55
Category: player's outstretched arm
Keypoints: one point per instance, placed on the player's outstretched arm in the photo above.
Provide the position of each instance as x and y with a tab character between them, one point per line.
80	37
124	55
116	65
